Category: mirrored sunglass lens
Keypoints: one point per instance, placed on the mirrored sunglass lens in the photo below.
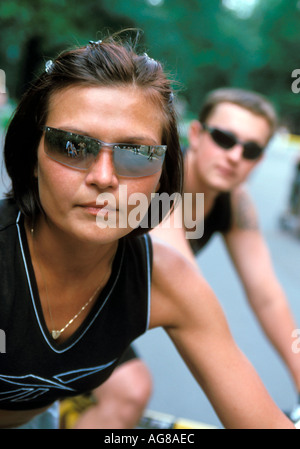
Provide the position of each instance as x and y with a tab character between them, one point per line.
70	149
252	150
223	139
133	163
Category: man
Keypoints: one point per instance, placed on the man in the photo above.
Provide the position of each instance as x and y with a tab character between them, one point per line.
225	145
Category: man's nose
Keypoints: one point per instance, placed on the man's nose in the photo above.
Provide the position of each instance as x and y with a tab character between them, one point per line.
236	153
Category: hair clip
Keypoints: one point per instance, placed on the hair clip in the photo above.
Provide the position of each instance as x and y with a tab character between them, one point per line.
148	57
171	98
94	43
48	66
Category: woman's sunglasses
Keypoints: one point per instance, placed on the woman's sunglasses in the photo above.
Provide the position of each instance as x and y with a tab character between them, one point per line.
227	140
77	151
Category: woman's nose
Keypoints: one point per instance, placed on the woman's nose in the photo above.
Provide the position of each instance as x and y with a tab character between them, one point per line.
102	171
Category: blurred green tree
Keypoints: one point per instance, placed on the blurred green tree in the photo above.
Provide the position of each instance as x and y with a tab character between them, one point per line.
32	31
207	45
277	23
202	44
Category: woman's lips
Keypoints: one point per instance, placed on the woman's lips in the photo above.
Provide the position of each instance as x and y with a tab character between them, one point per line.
95	209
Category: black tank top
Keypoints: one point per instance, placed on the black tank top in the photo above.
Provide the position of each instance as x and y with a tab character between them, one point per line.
218	220
35	370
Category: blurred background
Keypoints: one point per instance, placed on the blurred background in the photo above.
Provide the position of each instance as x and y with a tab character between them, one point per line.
203	45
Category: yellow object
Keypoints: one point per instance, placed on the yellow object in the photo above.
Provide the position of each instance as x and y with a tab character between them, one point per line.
182	423
72	408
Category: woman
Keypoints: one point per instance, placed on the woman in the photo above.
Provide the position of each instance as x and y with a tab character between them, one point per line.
95	132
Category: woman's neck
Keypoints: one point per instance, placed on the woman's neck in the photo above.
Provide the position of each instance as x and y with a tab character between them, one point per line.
64	256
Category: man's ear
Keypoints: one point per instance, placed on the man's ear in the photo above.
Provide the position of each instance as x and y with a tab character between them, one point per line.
194	133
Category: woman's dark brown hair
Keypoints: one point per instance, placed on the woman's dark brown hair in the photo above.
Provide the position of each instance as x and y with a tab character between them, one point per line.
112	62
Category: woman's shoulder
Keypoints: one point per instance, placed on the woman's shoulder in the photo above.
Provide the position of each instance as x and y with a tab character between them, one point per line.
175	281
169	263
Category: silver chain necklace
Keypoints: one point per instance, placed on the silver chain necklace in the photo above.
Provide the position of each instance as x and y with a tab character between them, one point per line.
56	333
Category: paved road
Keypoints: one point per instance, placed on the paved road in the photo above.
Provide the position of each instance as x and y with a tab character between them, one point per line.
175	390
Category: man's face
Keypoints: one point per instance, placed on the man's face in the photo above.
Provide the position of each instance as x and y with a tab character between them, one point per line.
221	169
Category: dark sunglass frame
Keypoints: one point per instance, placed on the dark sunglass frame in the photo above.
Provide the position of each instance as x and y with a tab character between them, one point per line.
227	140
80	151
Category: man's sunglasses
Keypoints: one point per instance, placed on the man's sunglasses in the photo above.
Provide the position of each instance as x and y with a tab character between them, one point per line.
77	151
227	140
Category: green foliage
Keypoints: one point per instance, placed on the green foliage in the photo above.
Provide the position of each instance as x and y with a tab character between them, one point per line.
202	44
33	31
208	46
